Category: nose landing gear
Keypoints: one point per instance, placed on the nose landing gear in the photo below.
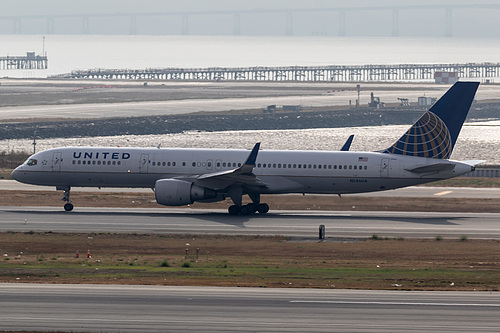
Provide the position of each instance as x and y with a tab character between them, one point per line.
68	206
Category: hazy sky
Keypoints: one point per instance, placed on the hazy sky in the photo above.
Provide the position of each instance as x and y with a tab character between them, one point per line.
417	22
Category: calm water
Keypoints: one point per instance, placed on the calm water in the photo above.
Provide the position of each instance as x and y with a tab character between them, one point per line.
70	52
478	141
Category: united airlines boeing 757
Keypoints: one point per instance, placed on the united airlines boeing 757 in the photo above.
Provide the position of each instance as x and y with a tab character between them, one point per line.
183	176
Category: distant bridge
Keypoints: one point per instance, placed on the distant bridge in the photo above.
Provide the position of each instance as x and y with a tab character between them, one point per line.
289	13
363	73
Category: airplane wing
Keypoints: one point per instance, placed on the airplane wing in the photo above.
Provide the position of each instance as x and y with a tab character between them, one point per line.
222	179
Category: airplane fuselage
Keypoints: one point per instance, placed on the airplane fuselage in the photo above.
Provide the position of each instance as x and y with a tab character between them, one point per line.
289	171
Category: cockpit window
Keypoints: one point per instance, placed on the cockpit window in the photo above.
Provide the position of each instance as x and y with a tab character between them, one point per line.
31	162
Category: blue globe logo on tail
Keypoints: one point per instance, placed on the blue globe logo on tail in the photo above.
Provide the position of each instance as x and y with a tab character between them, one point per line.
434	135
428	137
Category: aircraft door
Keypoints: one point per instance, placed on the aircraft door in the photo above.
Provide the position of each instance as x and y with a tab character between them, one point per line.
384	168
56	162
143	163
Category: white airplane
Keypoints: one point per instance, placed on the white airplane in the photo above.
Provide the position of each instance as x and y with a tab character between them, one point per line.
183	176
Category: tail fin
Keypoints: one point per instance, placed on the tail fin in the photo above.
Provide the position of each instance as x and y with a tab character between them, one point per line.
435	133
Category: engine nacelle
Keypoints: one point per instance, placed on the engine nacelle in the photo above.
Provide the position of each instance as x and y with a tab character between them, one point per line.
173	192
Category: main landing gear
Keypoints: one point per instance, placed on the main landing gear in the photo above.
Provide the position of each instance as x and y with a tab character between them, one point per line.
68	206
248	209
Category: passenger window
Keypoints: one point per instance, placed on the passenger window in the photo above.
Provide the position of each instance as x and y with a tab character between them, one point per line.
355	167
74	162
350	167
274	165
366	167
114	162
83	162
183	164
79	162
319	166
119	162
194	164
154	163
173	163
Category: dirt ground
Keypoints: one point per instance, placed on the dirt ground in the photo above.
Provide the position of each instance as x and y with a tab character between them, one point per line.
254	261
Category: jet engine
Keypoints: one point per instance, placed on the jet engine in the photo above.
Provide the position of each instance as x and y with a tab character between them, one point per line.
173	192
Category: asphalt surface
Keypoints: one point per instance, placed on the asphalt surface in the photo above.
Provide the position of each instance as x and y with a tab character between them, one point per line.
112	308
207	103
175	107
299	224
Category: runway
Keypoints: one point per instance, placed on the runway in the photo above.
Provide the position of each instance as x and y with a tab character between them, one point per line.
301	224
113	308
172	107
249	97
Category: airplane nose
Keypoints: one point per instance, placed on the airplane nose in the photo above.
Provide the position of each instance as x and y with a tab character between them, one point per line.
16	174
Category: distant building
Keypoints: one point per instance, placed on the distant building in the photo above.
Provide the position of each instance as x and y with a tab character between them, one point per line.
446	77
426	101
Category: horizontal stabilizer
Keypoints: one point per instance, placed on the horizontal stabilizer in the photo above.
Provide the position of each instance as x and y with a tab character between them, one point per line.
433	168
473	162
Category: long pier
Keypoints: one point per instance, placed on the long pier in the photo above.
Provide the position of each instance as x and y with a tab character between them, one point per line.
30	61
408	72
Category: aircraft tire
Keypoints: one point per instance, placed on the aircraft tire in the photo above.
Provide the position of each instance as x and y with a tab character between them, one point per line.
68	207
233	210
248	209
263	208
